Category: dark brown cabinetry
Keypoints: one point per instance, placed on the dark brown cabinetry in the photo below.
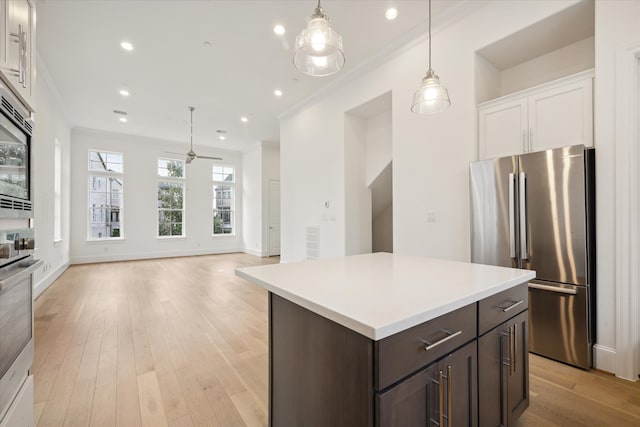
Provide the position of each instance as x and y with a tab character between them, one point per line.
503	364
468	367
444	394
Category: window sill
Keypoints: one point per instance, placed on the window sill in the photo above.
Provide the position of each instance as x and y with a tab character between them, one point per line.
105	240
217	236
170	237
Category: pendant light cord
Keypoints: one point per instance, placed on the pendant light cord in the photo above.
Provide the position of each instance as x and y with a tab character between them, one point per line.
429	34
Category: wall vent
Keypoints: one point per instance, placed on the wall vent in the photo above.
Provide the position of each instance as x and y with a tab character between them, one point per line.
313	242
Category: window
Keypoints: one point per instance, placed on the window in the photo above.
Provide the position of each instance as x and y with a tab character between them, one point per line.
223	199
105	195
170	198
57	192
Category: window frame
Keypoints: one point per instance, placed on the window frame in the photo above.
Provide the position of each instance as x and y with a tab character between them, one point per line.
91	173
177	180
232	211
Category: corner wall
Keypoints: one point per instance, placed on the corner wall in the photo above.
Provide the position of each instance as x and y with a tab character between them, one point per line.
50	124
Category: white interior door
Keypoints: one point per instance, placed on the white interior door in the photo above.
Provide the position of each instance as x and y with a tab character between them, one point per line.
274	218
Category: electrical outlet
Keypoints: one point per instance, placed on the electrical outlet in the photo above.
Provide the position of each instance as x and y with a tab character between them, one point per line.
431	216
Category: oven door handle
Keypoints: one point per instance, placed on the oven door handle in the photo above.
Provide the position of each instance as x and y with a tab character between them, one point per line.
22	269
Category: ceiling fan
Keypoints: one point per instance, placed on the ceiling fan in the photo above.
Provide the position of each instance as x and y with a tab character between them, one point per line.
191	155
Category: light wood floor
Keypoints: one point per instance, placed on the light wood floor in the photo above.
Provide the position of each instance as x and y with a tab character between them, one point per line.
183	342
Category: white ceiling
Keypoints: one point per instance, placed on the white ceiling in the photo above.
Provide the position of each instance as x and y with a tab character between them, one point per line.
171	68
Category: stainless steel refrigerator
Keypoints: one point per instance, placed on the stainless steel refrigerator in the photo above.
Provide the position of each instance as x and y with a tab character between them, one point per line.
537	211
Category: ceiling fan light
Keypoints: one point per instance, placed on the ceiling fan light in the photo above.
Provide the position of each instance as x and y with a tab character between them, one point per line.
318	49
431	97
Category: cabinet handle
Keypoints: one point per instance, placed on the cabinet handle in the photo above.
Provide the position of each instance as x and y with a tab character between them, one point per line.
524	141
513	305
441	400
514	363
449	336
505	361
449	396
23	55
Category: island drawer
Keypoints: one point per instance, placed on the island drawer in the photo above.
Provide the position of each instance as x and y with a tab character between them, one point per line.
401	354
498	308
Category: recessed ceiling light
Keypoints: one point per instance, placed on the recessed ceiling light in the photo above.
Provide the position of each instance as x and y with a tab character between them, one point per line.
244	119
123	119
391	13
277	92
279	29
207	44
124	92
126	45
222	135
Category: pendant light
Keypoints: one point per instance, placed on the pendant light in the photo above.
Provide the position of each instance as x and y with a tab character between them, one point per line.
318	49
432	97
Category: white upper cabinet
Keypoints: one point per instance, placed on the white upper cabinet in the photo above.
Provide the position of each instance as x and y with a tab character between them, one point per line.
501	126
561	116
548	116
17	48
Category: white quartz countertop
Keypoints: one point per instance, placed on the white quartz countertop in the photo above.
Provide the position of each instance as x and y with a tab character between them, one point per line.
381	294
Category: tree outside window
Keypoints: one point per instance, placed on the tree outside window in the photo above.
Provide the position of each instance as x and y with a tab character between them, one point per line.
171	198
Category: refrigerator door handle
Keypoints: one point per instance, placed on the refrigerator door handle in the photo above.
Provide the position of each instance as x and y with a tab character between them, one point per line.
512	217
557	289
524	241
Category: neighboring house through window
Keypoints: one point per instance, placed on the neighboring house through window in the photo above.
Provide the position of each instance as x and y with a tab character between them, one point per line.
170	198
223	199
105	195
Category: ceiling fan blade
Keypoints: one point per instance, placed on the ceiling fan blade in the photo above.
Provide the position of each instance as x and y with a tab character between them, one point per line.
209	157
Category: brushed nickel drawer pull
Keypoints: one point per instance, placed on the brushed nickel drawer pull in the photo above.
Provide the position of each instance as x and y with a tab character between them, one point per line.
513	305
441	397
449	336
449	398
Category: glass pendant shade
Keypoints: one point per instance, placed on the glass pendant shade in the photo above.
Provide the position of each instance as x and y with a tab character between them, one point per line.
318	48
432	97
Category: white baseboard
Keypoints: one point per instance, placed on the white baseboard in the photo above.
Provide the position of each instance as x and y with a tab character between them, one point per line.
151	255
604	358
255	252
43	284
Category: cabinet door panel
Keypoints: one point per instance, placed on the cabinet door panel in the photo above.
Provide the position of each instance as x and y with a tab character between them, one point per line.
502	129
518	380
411	403
461	390
18	48
492	348
562	116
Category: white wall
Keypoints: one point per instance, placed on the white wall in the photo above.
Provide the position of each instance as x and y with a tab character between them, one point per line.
260	165
383	226
616	27
140	200
571	59
430	153
357	202
379	150
252	201
50	123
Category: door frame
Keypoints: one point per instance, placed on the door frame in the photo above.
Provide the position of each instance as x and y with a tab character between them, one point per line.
269	216
627	204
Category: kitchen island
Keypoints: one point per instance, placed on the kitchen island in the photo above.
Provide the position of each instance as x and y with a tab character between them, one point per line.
392	340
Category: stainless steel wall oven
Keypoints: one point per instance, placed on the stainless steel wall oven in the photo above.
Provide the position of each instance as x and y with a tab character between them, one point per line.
16	128
17	264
